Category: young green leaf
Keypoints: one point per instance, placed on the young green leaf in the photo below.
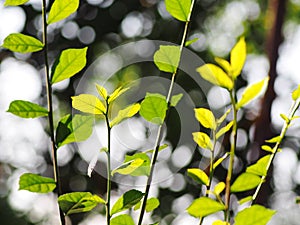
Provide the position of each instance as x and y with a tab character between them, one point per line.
220	160
142	170
128	167
274	139
255	215
198	175
22	43
220	222
296	93
89	104
215	75
102	91
15	2
151	204
251	92
267	148
203	140
260	167
189	42
179	9
75	129
238	57
61	9
246	199
206	118
26	109
167	58
69	63
223	117
175	99
36	183
128	112
126	201
223	130
224	64
154	108
122	220
77	202
219	188
285	118
119	91
245	182
162	147
204	206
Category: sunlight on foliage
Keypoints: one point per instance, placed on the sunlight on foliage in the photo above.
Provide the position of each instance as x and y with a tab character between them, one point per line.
61	9
26	109
36	183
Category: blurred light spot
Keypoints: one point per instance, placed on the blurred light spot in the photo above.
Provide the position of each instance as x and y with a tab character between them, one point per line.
95	2
106	3
181	156
200	45
280	105
256	68
61	85
87	35
218	97
78	183
132	25
162	175
65	154
180	204
178	183
69	30
242	139
163	11
145	49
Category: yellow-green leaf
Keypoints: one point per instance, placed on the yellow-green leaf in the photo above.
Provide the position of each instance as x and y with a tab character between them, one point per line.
223	117
119	91
203	140
219	188
238	57
61	9
285	118
175	99
179	9
223	130
123	219
102	91
220	222
167	58
296	93
36	183
274	139
128	112
15	2
89	104
246	199
26	109
151	204
204	206
144	168
267	148
215	75
206	118
260	167
245	182
128	167
224	64
189	42
220	160
198	175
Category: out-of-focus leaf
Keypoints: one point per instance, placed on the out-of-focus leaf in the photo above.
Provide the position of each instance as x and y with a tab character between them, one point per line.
175	99
26	109
296	93
117	93
123	114
36	183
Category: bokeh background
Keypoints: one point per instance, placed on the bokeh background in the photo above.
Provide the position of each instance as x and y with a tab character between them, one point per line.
272	33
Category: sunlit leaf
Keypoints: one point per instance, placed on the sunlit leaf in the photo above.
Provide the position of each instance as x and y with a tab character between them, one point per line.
15	2
296	93
36	183
274	139
154	108
220	222
151	204
144	168
246	199
215	75
167	58
255	215
245	182
260	167
238	57
198	175
224	64
61	9
102	91
223	130
123	219
75	129
220	160
128	112
26	109
285	118
267	148
77	202
251	92
128	167
206	118
175	99
127	200
68	64
118	92
219	188
89	104
203	140
22	43
204	206
189	42
179	9
223	117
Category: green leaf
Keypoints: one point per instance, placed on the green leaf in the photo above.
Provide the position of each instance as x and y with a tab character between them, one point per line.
179	9
69	63
224	64
296	93
154	108
223	117
189	42
142	170
151	204
219	188
255	215
198	175
89	104
252	92
126	201
128	167
128	112
61	9
102	91
26	109
285	118
175	99
260	167
203	140
162	147
246	199
15	2
36	183
204	206
122	220
220	222
267	148
220	160
206	118
238	57
75	129
77	202
223	130
22	43
119	91
167	58
215	75
245	182
274	139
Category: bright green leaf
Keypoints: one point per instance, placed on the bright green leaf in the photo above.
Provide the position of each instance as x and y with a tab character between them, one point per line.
89	104
238	57
189	42
252	92
26	109
245	182
246	199
175	99
219	188
267	148
151	204
203	140
296	93
128	167
61	9
204	206
75	129
220	160
69	63
198	175
220	222
223	130
122	220
224	64
102	91
142	170
119	91
128	112
255	215
77	202
15	2
179	9
127	200
206	118
154	108
167	58
215	75
22	43
223	117
285	118
36	183
260	167
274	139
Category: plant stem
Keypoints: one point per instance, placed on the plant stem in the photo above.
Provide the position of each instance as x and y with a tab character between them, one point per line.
159	132
50	110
